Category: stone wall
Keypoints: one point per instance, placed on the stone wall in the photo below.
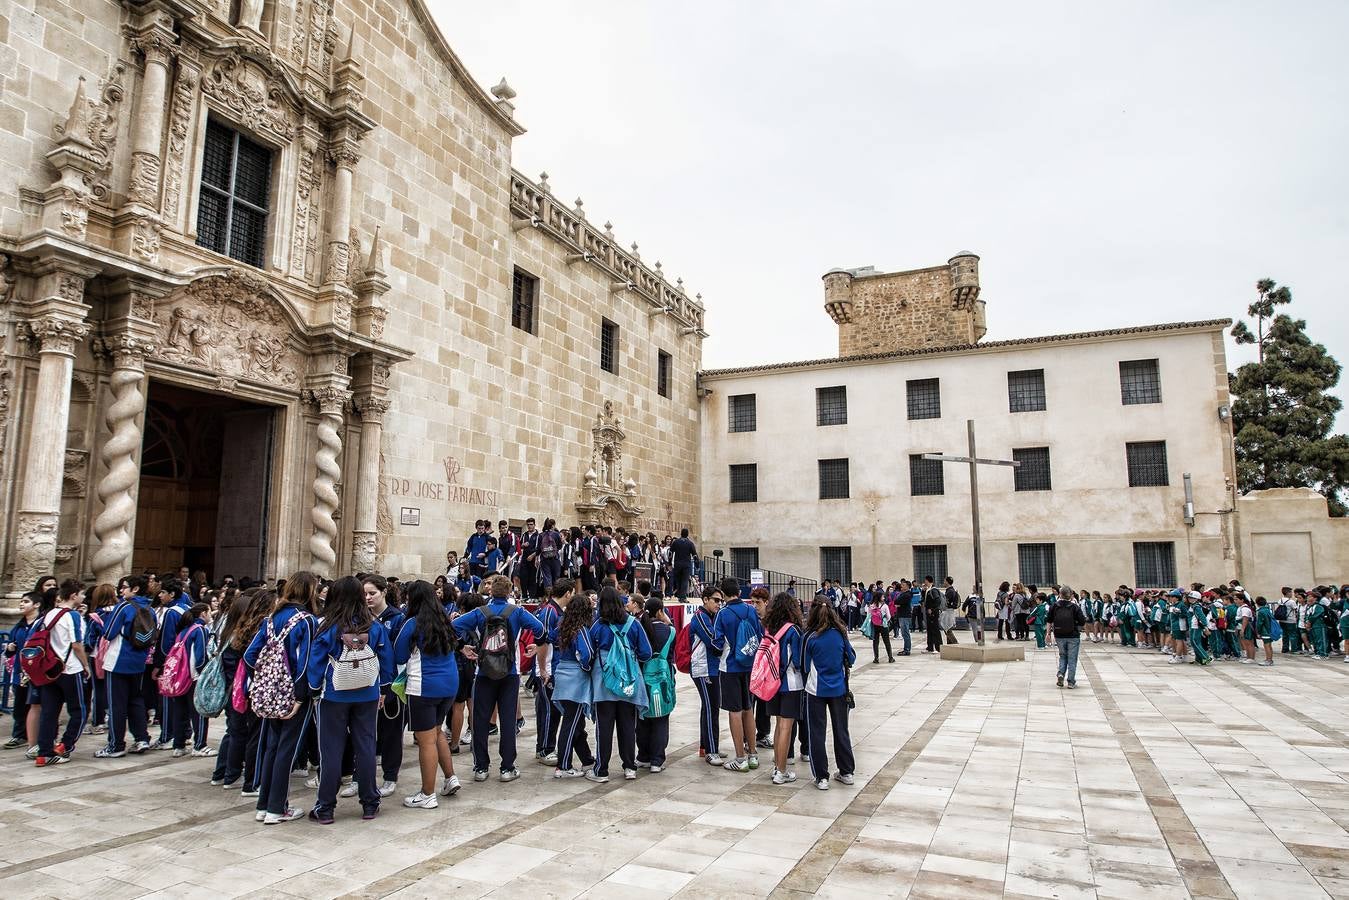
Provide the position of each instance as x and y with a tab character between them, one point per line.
1288	538
878	312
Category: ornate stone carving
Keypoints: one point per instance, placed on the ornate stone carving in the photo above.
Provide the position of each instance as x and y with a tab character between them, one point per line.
338	259
144	186
34	547
249	91
372	409
6	386
383	518
145	238
379	373
306	184
92	122
297	33
142	305
231	324
75	474
180	120
330	401
6	279
75	206
363	551
606	497
250	15
155	45
57	335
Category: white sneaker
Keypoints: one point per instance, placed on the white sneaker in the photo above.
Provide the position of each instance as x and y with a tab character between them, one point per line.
31	752
566	773
1246	660
290	815
549	759
629	774
783	777
204	751
844	779
260	816
450	787
350	789
312	781
598	779
656	769
714	759
822	784
509	775
388	788
479	775
421	801
179	752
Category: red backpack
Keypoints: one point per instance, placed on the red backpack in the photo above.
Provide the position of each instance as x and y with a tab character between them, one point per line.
683	650
39	661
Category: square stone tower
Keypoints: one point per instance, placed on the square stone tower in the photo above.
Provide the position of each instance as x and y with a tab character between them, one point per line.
877	312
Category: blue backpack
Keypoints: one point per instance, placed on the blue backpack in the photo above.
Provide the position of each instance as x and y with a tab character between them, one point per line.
209	698
746	642
1275	631
619	665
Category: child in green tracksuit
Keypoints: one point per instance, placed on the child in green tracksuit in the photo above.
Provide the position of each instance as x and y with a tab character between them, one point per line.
1179	611
1126	624
1200	630
1316	621
1344	625
1038	617
1264	629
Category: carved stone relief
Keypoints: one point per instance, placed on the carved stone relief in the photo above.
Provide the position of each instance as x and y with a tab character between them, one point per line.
251	93
180	121
306	204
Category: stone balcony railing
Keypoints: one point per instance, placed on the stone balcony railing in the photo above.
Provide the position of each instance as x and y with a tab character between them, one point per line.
533	205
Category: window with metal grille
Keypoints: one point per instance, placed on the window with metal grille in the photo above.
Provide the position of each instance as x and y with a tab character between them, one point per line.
743	561
1026	390
924	396
1037	563
926	478
1033	473
608	346
1147	463
1154	564
743	412
929	559
836	564
745	483
831	406
662	373
833	479
524	293
1140	381
236	181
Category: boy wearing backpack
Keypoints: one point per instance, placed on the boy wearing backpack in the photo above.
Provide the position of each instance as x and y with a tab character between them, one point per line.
189	651
704	659
653	726
736	634
496	685
546	721
174	603
129	634
60	632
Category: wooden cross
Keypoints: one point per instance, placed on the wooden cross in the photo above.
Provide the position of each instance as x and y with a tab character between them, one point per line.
974	463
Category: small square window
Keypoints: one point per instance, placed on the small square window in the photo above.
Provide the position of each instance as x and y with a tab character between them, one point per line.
929	559
1037	564
663	373
1140	381
745	483
1026	390
743	412
1147	464
833	479
926	477
608	346
524	294
836	564
1033	473
831	406
1154	564
924	396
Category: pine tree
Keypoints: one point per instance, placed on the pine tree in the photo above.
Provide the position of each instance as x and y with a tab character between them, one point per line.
1282	408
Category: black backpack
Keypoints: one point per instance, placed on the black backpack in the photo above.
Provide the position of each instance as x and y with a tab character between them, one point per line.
143	630
494	650
952	598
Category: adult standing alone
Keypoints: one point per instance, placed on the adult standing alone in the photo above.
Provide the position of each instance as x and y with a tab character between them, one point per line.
932	604
682	552
1068	620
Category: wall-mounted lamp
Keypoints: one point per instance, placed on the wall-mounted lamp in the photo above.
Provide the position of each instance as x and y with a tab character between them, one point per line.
1224	412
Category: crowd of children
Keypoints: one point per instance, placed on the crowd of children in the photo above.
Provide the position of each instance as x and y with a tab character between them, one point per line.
323	679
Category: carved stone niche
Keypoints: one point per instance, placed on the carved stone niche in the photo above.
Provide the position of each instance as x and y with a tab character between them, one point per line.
606	497
232	324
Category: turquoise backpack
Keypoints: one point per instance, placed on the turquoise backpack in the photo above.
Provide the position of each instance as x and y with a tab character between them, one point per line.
660	686
619	665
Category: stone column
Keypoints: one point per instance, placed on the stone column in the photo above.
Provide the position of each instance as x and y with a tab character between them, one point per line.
372	410
40	502
345	155
114	524
147	126
331	401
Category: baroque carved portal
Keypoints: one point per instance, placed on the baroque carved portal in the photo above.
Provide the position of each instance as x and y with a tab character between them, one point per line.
231	324
606	497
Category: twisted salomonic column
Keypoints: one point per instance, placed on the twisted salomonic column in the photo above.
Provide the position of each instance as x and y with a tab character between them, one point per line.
113	525
40	502
363	542
322	542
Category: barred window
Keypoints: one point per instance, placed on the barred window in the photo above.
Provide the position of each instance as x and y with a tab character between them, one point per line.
1154	564
929	559
836	564
1140	381
743	412
745	483
236	181
1147	464
1037	564
662	373
831	406
1026	390
524	291
924	397
608	346
926	478
834	479
743	560
1033	473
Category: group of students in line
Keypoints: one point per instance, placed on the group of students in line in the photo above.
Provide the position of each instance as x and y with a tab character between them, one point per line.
323	679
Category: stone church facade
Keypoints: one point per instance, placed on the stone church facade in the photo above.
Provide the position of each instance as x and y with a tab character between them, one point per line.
273	297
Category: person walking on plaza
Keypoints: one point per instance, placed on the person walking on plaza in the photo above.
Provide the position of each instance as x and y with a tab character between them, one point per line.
1068	620
826	657
130	633
63	624
878	618
704	663
932	604
1038	615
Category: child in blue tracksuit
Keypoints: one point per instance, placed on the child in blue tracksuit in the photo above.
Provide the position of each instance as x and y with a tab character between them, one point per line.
546	721
500	694
783	620
192	634
350	712
124	672
391	723
18	635
704	658
614	712
572	657
279	739
826	656
425	646
737	658
174	604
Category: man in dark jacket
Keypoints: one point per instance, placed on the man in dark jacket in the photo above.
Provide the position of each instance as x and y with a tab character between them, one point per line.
932	604
1067	619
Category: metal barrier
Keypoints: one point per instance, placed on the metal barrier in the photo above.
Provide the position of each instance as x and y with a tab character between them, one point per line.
715	569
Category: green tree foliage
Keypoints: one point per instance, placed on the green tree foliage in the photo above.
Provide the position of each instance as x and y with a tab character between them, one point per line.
1282	408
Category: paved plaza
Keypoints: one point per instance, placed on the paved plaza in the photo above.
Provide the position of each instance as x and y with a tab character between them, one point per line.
1149	780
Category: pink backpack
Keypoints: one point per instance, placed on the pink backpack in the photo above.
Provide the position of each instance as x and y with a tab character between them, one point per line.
239	694
765	678
176	678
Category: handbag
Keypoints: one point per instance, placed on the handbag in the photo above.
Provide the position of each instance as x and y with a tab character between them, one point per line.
847	690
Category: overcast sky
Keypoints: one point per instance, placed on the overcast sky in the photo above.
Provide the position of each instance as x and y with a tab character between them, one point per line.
1116	166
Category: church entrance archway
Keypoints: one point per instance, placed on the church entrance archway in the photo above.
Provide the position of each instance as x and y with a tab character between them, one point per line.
206	483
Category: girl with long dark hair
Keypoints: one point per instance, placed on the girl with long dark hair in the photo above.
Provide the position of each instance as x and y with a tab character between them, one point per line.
783	621
426	645
614	636
239	748
826	657
572	694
